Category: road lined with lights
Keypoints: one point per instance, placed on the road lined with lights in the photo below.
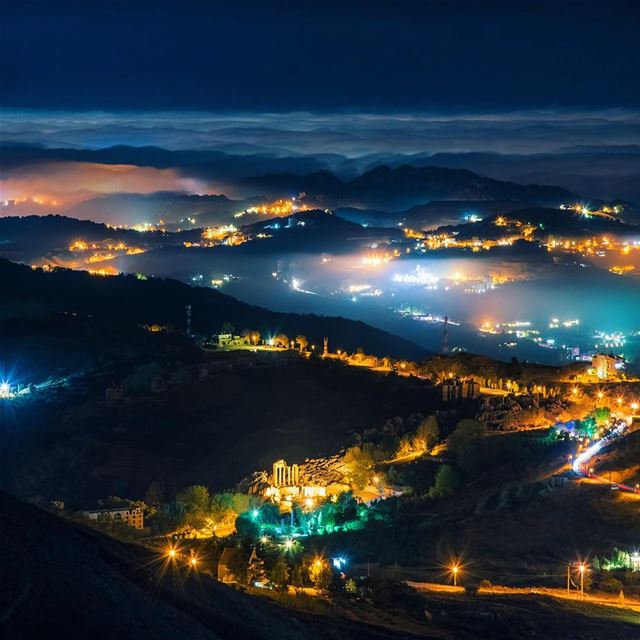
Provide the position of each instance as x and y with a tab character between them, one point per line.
580	463
500	590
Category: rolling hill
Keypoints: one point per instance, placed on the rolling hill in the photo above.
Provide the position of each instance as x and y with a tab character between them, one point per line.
128	300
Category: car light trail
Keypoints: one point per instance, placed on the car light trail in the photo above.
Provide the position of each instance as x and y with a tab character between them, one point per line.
581	460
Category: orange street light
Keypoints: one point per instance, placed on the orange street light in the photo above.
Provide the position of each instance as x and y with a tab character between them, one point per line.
171	553
455	569
582	567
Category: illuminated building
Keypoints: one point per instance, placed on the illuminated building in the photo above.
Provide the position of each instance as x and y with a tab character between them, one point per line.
284	475
313	479
132	516
606	365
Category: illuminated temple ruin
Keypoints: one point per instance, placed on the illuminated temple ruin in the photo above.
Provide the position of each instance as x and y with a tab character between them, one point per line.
313	479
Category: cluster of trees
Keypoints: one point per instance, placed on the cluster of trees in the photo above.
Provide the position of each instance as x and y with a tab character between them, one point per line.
195	507
253	336
396	438
463	446
282	569
283	341
585	428
422	440
619	559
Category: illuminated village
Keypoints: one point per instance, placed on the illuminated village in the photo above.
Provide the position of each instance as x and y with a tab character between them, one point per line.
276	515
320	321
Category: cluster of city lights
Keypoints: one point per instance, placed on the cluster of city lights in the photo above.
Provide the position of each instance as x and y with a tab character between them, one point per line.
5	391
282	207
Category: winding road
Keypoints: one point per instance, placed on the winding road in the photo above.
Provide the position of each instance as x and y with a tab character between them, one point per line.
581	463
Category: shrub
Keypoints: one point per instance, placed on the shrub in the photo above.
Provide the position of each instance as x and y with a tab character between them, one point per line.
611	585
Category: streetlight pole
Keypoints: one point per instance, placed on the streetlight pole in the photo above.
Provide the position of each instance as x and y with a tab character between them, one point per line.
582	568
568	579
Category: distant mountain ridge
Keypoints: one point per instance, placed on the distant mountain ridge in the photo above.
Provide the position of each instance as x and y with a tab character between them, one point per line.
405	186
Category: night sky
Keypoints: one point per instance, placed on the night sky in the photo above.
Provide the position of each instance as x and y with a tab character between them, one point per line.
207	55
544	92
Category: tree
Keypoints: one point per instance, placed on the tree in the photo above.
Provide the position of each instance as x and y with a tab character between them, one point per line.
346	508
279	575
360	462
445	483
426	434
246	528
320	574
196	502
281	340
195	497
601	416
405	446
462	443
254	337
302	342
224	507
586	428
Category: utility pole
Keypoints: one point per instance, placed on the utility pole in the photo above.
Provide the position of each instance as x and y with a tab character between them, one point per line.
445	336
189	320
568	579
582	568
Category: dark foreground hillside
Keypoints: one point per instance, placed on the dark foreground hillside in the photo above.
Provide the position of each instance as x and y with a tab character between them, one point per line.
61	580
